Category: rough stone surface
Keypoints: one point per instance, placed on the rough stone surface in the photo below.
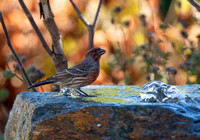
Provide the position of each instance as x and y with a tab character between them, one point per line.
46	116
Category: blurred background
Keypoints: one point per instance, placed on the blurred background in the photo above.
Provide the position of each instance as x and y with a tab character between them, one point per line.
145	40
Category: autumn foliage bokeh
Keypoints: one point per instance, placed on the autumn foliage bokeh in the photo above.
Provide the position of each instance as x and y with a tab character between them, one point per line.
124	27
120	27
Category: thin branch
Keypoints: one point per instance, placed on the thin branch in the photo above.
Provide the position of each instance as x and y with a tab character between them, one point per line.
14	53
91	37
15	73
35	27
82	18
90	27
97	13
195	4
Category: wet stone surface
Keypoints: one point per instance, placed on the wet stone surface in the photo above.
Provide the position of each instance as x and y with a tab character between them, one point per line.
113	112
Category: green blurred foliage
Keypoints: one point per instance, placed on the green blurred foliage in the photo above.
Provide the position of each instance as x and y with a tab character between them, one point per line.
164	7
198	1
163	26
4	94
8	74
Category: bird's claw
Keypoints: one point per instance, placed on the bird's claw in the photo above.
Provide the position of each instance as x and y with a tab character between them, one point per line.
64	91
73	92
82	93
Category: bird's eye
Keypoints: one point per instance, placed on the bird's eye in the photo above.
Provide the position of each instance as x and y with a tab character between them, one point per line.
95	51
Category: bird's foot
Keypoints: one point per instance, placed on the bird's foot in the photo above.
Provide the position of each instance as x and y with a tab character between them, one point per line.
71	92
64	91
82	93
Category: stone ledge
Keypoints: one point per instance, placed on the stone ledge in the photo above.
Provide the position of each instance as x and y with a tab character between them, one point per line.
44	116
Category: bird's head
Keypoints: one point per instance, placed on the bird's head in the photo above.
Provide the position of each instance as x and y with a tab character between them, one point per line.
95	53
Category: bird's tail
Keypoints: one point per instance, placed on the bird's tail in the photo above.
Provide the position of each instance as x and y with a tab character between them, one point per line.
40	83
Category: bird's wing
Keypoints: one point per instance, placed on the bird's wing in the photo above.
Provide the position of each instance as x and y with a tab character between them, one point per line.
74	71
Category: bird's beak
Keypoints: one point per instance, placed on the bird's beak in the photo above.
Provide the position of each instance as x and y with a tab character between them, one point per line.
102	51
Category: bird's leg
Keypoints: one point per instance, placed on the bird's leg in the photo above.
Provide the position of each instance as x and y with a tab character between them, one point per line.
61	89
82	92
71	91
64	90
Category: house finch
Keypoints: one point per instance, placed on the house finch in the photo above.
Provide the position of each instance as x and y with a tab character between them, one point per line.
82	74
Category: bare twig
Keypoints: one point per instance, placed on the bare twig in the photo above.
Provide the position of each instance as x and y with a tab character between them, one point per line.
82	18
197	6
97	14
15	73
91	37
58	57
91	27
35	27
26	78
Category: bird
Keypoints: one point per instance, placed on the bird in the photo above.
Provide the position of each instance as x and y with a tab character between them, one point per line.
77	76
